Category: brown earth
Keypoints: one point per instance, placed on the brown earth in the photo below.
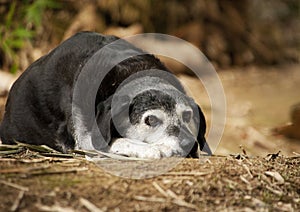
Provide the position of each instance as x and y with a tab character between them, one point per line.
30	182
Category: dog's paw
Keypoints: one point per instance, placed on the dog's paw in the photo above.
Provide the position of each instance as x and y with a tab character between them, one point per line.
133	148
167	151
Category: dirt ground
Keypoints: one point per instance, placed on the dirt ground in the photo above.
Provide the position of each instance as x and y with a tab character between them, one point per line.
31	182
241	178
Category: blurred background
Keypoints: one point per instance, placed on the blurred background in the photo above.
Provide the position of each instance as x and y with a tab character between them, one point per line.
254	46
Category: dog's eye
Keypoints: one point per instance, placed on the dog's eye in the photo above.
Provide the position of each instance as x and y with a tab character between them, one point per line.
186	116
152	121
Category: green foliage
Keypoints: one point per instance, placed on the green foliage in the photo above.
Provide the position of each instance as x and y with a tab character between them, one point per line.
20	24
34	11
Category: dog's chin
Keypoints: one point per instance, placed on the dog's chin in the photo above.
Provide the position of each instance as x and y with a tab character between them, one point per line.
135	148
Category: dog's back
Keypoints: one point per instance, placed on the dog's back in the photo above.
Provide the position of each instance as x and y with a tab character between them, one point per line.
35	110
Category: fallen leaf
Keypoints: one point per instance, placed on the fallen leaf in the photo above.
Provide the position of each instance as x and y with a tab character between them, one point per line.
275	175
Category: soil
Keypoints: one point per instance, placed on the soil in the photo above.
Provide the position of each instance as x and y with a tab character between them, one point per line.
234	183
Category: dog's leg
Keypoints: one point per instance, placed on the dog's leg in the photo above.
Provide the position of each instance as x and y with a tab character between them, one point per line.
133	148
82	136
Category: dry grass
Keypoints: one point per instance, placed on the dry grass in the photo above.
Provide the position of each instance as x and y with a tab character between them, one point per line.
30	181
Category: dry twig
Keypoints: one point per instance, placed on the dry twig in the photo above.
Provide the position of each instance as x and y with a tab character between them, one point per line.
150	199
90	206
175	198
23	170
160	189
55	207
22	188
187	173
17	202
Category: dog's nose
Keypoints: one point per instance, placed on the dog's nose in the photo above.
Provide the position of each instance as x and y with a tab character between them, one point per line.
173	130
187	144
187	140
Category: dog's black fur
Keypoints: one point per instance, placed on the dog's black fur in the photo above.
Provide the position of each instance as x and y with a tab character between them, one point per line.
38	109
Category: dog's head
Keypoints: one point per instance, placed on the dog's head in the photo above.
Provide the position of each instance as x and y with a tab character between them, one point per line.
155	114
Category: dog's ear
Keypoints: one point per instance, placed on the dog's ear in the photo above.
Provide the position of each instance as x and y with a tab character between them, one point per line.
103	118
109	113
201	133
104	125
200	125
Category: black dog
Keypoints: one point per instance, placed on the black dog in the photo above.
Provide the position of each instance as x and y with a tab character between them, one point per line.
139	108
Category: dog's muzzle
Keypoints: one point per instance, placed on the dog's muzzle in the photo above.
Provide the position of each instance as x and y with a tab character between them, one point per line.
186	138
